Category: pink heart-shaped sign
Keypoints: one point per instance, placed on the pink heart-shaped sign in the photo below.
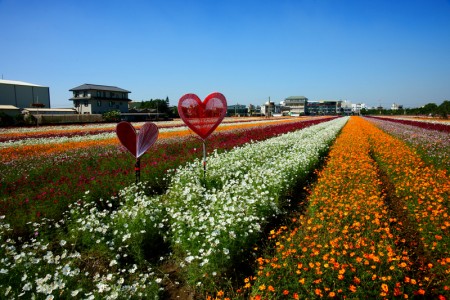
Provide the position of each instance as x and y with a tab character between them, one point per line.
137	143
202	117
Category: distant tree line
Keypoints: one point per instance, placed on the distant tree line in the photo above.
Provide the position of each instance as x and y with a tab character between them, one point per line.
430	109
160	106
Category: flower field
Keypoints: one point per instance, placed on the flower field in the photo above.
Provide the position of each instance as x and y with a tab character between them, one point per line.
374	228
432	145
42	183
374	224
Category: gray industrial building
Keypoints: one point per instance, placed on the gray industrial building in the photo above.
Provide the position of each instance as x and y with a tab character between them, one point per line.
22	94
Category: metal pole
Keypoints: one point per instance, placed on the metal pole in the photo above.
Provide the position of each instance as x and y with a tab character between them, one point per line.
204	159
137	169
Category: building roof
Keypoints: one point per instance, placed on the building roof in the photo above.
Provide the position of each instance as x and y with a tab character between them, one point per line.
15	82
296	98
88	86
50	109
8	107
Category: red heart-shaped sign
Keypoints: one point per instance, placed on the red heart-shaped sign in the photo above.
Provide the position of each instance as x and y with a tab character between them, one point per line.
202	117
137	143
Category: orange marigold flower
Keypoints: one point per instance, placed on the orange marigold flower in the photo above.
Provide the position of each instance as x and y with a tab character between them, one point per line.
262	287
271	288
352	288
220	293
332	294
295	296
385	288
421	292
285	292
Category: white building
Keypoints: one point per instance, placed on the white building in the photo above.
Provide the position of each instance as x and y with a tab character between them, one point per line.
98	99
396	106
356	108
346	107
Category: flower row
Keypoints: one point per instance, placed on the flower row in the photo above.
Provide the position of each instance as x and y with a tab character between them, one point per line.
433	145
215	219
343	246
423	193
426	124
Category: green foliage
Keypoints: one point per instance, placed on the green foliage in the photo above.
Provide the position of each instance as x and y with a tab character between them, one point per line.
444	109
112	116
159	104
6	120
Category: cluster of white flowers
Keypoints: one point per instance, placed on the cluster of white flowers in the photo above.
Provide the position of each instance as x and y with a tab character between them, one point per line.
212	220
53	269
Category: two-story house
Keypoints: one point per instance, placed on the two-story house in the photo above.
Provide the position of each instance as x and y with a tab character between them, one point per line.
98	99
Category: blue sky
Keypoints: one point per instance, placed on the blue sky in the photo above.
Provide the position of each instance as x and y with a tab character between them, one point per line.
375	52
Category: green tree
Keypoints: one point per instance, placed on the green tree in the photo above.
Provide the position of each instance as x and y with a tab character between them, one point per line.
430	108
444	109
159	105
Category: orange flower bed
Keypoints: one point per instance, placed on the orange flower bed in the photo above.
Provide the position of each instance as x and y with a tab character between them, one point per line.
423	192
346	244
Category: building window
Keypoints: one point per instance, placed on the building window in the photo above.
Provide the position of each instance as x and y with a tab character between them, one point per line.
99	103
76	103
111	103
85	103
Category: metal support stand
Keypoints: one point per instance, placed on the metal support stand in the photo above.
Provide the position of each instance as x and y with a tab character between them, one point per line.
137	168
204	159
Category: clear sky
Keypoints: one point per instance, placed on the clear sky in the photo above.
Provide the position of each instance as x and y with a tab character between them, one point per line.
374	51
